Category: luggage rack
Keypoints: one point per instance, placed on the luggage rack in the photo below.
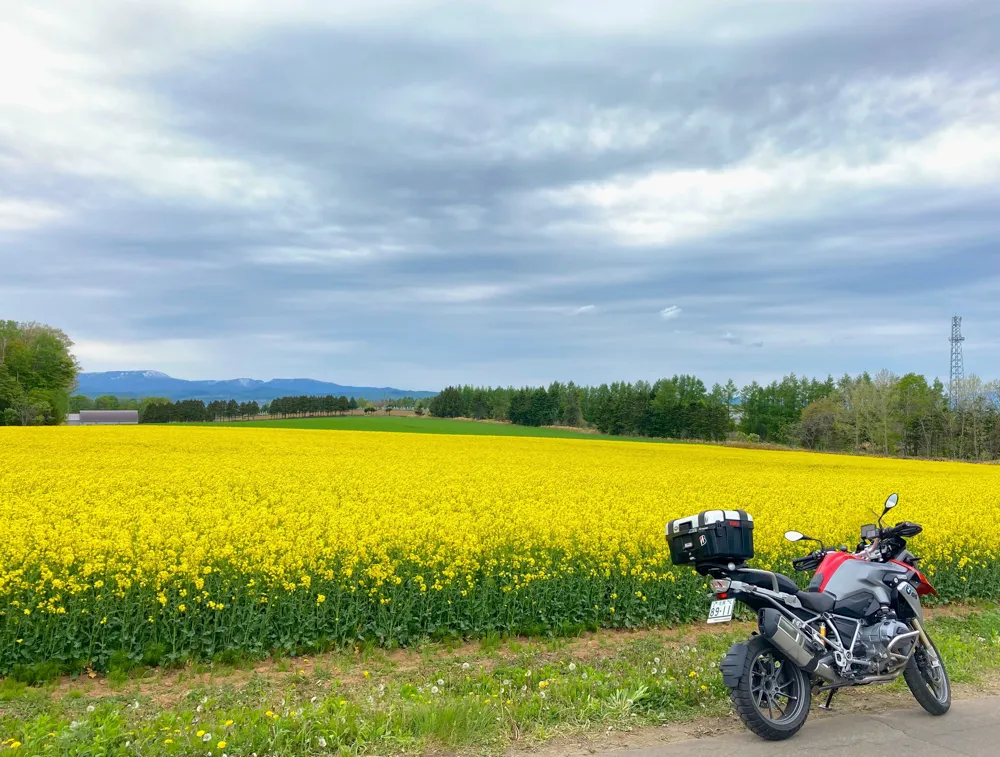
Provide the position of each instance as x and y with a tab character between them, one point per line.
710	568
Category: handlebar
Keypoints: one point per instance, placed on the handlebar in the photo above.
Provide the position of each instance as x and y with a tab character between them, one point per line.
809	562
877	547
905	529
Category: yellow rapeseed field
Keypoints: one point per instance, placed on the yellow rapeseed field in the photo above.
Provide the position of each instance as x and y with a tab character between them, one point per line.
159	544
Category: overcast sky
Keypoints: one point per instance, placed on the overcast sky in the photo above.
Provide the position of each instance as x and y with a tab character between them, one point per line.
417	193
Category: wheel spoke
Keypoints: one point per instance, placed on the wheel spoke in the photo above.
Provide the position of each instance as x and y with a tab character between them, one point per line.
932	673
936	687
760	697
777	706
774	687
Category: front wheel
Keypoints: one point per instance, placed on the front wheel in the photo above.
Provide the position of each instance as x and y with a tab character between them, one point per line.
928	680
772	696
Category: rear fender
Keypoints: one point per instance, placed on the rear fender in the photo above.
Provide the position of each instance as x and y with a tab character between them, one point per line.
732	665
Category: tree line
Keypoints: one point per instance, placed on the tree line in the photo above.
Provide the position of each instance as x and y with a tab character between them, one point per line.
679	407
905	416
162	410
884	414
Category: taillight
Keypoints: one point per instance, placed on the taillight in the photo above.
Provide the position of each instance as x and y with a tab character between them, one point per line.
720	585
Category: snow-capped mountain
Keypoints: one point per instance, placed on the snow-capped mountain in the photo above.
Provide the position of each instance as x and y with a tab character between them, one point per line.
157	384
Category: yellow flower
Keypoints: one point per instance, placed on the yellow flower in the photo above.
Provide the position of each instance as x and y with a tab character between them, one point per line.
221	745
232	521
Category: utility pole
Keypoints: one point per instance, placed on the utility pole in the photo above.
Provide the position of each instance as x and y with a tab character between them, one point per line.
957	361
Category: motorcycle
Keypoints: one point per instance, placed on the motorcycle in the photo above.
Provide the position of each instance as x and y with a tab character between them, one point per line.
858	623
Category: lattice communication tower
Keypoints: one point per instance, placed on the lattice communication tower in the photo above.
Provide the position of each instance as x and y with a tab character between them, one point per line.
957	362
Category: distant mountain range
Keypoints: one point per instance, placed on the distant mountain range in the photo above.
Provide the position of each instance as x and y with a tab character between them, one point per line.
155	384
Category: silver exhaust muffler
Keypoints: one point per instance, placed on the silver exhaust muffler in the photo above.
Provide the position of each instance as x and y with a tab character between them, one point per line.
796	646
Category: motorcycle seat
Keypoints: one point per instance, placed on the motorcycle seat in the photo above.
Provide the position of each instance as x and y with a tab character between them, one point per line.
817	601
785	584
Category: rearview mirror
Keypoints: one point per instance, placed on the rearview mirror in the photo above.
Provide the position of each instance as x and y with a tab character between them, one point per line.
794	536
889	504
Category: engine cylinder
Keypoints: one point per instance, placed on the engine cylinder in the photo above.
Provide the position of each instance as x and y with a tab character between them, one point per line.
876	639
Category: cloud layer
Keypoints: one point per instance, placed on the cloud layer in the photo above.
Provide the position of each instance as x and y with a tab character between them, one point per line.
415	193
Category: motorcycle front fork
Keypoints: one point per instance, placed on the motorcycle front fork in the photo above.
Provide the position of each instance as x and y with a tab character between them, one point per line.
924	638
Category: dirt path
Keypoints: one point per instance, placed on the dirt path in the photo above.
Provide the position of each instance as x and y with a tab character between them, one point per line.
872	701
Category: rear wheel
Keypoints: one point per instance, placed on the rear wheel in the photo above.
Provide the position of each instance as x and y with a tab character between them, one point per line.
773	696
928	680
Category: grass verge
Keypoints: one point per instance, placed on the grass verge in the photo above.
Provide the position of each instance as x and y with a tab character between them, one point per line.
428	425
478	698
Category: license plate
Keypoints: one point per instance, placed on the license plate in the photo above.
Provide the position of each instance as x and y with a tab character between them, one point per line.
721	611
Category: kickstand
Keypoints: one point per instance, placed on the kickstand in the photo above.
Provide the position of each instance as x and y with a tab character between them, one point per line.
829	699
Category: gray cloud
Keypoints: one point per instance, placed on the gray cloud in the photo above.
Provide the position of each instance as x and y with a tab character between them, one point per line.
423	194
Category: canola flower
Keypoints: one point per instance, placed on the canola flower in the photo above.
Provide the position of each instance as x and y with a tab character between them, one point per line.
165	543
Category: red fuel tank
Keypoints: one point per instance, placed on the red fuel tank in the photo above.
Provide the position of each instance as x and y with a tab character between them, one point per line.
829	566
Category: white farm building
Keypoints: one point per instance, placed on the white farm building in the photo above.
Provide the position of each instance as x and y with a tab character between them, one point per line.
103	418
